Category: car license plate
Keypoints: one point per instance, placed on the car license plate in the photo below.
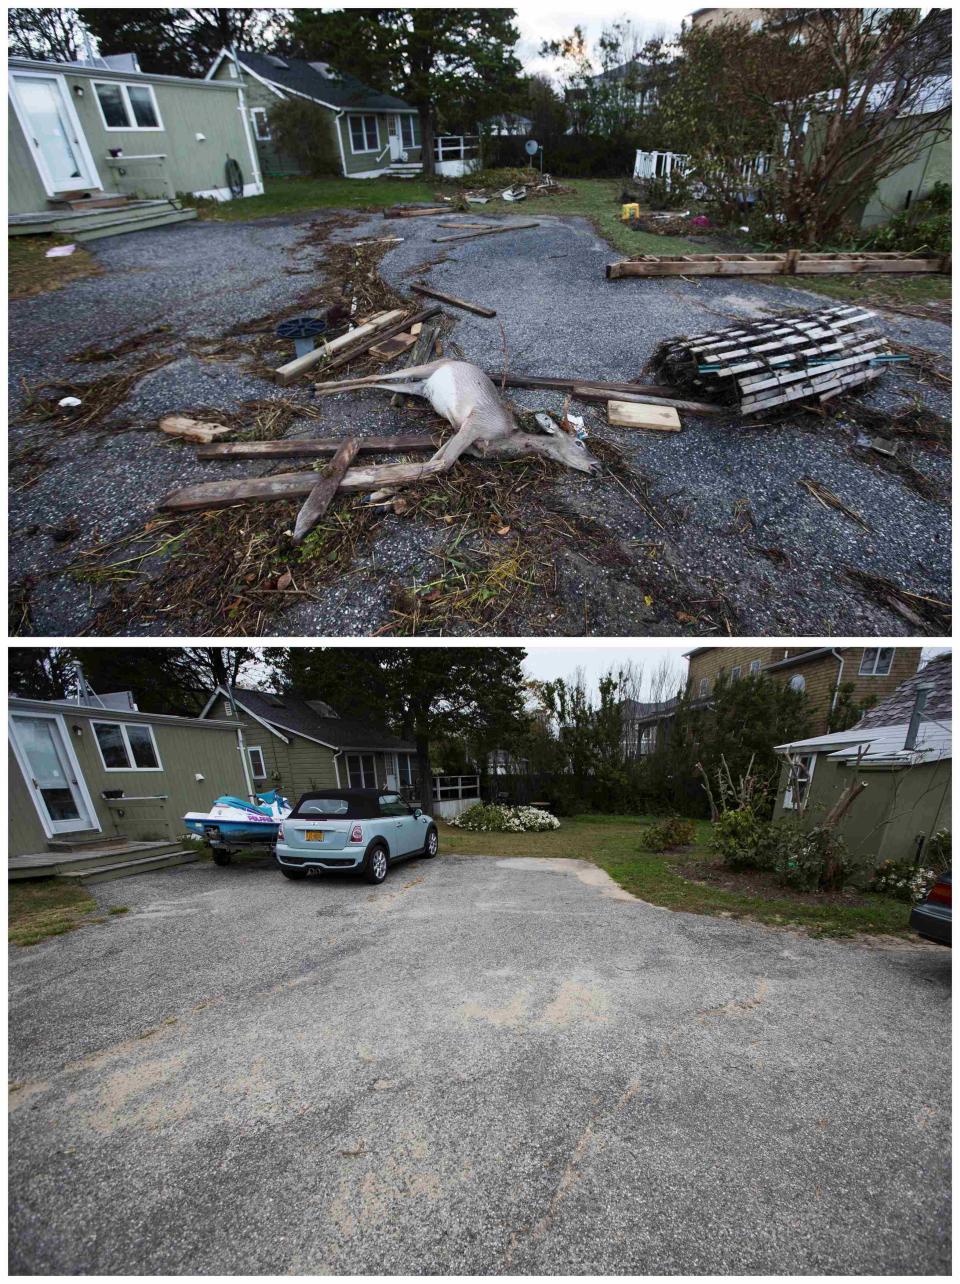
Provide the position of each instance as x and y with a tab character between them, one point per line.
314	835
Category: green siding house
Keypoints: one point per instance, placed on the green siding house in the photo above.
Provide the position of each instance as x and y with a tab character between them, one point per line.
103	773
297	745
901	751
374	133
90	131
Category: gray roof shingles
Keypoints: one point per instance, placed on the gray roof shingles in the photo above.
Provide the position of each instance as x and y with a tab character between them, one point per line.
897	708
300	77
296	715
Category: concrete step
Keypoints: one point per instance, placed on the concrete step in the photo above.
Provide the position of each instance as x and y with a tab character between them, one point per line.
127	868
134	225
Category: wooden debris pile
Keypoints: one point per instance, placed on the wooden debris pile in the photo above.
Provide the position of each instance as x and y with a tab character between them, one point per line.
756	367
787	263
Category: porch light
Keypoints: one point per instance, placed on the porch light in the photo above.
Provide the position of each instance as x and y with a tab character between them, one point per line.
78	90
77	730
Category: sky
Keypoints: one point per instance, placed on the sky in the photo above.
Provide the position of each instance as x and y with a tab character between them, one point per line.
547	662
537	24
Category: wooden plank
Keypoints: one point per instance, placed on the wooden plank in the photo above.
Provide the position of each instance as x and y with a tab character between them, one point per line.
694	407
292	448
487	224
192	429
404	211
490	231
453	300
321	497
791	263
293	370
404	324
631	414
387	349
210	495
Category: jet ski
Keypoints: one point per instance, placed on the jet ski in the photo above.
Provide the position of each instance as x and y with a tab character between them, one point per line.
234	822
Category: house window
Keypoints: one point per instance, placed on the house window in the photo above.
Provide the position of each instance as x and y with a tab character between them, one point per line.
127	746
876	662
798	682
735	673
361	770
406	131
754	666
363	133
261	125
127	106
404	772
798	783
257	766
704	687
648	741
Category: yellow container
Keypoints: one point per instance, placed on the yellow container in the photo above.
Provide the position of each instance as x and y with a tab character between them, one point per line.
628	212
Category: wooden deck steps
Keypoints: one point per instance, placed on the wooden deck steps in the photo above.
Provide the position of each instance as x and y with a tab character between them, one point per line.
98	864
88	224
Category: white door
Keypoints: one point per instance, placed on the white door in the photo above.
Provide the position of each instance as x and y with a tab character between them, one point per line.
53	132
393	133
52	773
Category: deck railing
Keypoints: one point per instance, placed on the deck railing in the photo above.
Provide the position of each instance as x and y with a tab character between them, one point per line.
455	788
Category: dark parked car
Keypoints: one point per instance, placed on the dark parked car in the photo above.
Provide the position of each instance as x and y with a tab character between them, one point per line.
932	918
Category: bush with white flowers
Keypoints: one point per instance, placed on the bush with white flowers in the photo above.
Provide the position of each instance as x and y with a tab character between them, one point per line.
903	879
494	818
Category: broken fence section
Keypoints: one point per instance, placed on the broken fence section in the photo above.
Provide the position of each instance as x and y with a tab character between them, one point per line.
789	263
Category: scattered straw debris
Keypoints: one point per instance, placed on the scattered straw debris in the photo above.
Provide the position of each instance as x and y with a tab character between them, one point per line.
828	499
930	615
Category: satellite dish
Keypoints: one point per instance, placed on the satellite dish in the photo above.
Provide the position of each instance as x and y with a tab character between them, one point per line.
531	147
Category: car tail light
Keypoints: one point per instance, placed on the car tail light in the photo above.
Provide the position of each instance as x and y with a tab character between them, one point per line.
280	834
356	834
941	894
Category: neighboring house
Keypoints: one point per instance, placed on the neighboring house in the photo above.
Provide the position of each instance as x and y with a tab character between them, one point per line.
508	125
79	135
101	772
634	81
374	133
901	751
819	672
297	745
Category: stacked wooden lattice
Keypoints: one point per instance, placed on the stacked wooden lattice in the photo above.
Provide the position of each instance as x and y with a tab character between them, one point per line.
756	367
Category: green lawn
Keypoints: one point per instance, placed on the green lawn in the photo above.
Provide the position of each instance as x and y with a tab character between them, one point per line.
613	843
44	907
595	198
876	291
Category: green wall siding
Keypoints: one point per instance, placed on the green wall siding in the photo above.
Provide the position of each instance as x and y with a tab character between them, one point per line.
184	751
932	164
189	165
883	823
274	163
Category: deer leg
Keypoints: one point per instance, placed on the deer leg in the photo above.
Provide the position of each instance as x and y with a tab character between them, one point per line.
415	388
418	373
403	474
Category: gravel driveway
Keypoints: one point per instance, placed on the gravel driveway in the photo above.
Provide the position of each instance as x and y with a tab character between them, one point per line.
481	1067
725	520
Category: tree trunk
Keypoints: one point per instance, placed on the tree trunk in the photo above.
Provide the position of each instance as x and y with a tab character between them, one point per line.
426	141
424	777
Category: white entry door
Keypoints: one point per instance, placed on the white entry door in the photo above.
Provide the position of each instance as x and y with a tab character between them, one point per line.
393	133
52	773
53	132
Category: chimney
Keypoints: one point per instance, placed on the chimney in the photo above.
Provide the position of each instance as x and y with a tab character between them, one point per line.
919	704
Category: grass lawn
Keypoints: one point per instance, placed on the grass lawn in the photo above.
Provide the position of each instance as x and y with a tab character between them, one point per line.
29	270
613	843
45	907
877	291
595	198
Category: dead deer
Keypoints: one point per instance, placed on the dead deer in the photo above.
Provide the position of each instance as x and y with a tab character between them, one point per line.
463	395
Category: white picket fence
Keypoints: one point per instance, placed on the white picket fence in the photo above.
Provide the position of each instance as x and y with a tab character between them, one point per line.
664	165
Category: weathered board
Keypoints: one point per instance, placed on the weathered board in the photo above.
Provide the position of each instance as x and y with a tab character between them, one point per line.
791	263
633	414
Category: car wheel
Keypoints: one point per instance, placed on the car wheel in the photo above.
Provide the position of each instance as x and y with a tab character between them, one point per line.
432	845
293	873
221	856
375	870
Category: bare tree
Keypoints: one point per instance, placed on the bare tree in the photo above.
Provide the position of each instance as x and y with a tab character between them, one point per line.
45	34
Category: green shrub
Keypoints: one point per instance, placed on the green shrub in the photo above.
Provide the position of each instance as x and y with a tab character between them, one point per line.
938	850
740	839
813	860
304	131
926	225
668	834
903	880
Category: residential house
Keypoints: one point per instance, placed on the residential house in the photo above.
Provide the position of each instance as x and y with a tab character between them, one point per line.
819	672
295	745
98	783
101	147
901	751
374	133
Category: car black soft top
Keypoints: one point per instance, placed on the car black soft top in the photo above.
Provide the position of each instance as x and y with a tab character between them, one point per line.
362	804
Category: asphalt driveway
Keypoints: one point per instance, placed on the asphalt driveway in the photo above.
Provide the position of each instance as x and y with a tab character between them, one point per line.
723	537
481	1067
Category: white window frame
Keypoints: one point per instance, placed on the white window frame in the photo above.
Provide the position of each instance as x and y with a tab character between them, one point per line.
797	682
363	774
803	792
363	116
876	652
109	722
755	666
407	121
91	820
134	128
704	688
86	155
256	112
735	673
251	750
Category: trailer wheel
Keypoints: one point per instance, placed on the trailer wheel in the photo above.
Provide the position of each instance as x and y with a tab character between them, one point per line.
221	856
